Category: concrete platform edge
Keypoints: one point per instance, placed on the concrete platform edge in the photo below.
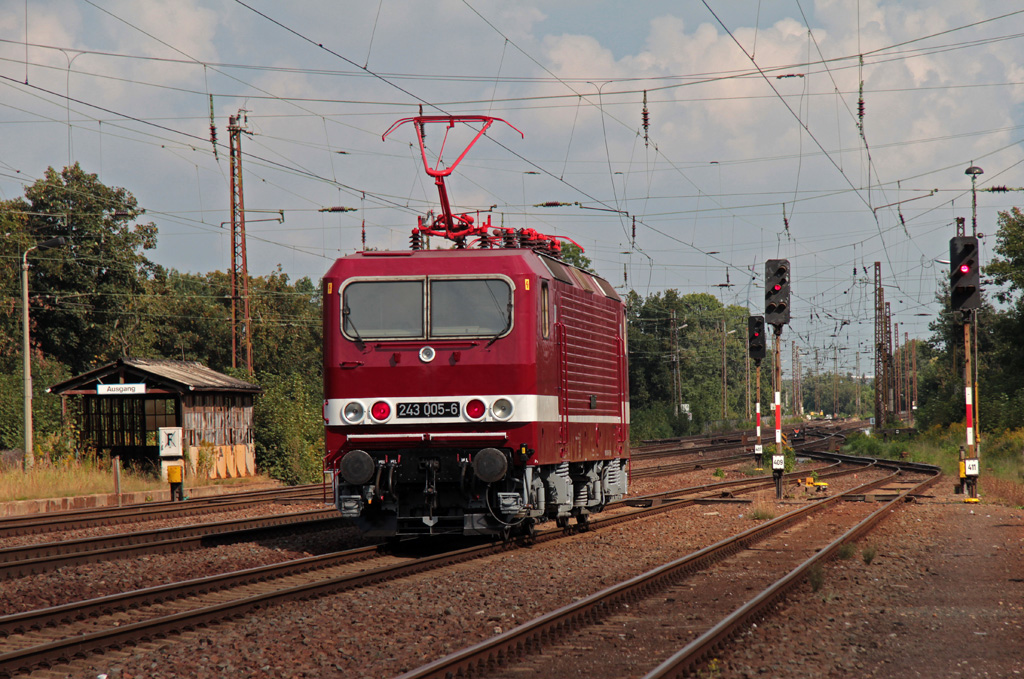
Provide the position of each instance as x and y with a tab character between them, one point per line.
64	504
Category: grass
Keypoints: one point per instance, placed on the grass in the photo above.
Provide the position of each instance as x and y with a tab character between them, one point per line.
846	551
1002	490
816	576
1002	457
84	477
762	511
69	479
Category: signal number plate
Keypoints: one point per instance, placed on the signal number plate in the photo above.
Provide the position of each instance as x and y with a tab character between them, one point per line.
423	409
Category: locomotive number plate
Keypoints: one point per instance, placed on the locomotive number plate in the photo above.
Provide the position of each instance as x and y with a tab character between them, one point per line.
421	409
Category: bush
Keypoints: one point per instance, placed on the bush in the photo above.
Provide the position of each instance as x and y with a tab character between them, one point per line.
289	429
846	551
650	422
46	411
816	576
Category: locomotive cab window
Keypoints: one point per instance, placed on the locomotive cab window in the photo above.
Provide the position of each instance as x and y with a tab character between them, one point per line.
431	308
470	307
382	309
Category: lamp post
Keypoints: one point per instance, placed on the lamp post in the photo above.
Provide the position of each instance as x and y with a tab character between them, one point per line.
29	459
974	171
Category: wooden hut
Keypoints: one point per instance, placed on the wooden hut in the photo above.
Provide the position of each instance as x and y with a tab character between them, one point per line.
125	403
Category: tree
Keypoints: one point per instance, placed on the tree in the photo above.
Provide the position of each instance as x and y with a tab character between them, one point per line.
697	345
1008	269
188	318
573	254
287	325
85	296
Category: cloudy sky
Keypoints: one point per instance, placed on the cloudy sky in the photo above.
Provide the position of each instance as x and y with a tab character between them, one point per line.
755	148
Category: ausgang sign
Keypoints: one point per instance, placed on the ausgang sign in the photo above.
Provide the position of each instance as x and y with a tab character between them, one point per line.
120	389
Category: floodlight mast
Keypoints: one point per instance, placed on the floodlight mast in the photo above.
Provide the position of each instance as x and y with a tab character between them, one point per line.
437	172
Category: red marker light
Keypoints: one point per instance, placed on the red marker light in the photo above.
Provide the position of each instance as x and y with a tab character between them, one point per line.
380	411
475	409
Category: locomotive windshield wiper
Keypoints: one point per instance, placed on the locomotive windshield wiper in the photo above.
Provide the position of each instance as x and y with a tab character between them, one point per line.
508	323
346	314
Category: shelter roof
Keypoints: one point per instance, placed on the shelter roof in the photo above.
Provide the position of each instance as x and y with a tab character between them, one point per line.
159	375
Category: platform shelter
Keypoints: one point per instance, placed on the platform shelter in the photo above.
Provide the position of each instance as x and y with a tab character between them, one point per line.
125	404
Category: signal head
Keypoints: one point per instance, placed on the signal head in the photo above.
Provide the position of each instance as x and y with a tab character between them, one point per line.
964	273
776	292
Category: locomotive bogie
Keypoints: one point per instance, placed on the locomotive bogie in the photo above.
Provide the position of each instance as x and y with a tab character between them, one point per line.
448	491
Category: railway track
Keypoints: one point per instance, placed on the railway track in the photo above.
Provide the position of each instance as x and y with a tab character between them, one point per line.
676	600
44	637
51	522
704	462
38	558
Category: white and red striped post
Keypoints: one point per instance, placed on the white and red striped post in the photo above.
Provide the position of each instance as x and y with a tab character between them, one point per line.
778	422
970	419
972	464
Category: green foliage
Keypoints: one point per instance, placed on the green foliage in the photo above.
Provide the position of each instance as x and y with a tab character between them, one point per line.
573	254
1000	391
828	390
816	576
46	408
846	551
289	431
696	341
193	313
85	297
868	554
652	421
1008	268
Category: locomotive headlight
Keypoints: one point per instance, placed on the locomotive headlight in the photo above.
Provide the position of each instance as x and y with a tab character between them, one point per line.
353	412
502	409
476	409
380	411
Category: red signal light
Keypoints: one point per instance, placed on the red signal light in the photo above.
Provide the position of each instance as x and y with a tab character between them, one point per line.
777	287
964	268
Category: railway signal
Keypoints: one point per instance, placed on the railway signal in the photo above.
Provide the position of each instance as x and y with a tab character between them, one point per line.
776	314
965	296
776	292
756	342
964	273
757	346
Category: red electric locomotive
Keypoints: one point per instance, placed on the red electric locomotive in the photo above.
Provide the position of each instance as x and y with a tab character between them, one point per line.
472	391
